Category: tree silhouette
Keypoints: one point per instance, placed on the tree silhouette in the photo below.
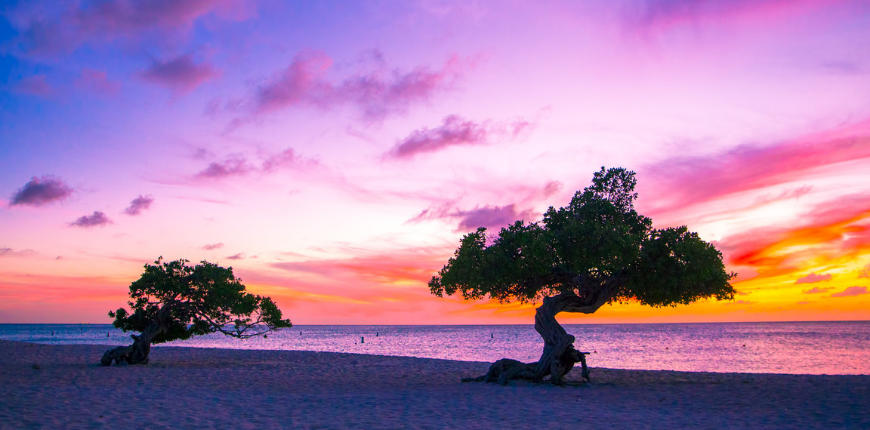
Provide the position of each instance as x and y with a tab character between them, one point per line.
172	300
595	251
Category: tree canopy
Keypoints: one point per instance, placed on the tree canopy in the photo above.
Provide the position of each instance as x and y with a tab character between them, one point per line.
172	300
597	248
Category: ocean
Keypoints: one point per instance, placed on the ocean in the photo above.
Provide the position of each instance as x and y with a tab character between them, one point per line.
833	348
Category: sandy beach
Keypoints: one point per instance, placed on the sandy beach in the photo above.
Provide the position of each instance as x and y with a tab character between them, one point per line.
50	386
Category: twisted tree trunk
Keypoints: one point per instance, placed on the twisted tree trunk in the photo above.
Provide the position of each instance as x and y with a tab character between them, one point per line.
559	355
137	353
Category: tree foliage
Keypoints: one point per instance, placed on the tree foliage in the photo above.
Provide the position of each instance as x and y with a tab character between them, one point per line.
597	245
195	300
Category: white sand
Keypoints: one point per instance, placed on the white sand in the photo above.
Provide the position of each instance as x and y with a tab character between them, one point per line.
214	388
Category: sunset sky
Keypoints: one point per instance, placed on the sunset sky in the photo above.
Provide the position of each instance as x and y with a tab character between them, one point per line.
334	153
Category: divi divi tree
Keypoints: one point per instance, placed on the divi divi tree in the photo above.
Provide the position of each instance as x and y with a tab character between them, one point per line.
172	300
595	251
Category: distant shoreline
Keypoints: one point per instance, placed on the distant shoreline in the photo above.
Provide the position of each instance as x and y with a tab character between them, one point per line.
295	326
62	386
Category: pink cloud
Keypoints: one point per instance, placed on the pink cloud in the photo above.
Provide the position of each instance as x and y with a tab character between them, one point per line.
105	21
851	291
41	191
181	75
812	278
376	95
138	205
682	182
817	290
33	85
97	219
213	246
406	265
98	82
453	131
239	256
238	165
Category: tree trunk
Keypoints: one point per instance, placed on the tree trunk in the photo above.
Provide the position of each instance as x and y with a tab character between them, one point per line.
559	355
137	353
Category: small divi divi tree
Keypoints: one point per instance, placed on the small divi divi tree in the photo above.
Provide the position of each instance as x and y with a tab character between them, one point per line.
595	251
172	300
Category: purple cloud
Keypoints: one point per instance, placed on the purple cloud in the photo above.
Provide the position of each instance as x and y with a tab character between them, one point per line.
454	131
138	205
817	290
48	33
239	166
813	278
40	191
98	82
239	256
97	219
9	252
233	167
213	246
287	158
377	94
491	216
33	85
851	291
181	75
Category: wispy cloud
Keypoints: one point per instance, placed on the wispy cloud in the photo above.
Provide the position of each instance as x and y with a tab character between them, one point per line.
851	291
408	265
377	94
35	85
180	75
686	181
41	191
812	278
454	131
238	165
239	256
9	252
817	290
97	219
213	246
492	216
653	16
481	216
98	82
46	32
138	205
285	159
235	166
741	302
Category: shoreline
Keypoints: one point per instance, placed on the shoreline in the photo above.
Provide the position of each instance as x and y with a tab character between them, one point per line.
219	388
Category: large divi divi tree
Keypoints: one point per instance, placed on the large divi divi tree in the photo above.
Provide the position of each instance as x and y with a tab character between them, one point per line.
172	300
595	251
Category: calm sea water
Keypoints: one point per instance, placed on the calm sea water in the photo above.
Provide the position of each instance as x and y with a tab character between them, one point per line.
791	347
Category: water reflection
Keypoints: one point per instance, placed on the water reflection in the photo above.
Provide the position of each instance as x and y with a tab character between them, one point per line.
803	347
